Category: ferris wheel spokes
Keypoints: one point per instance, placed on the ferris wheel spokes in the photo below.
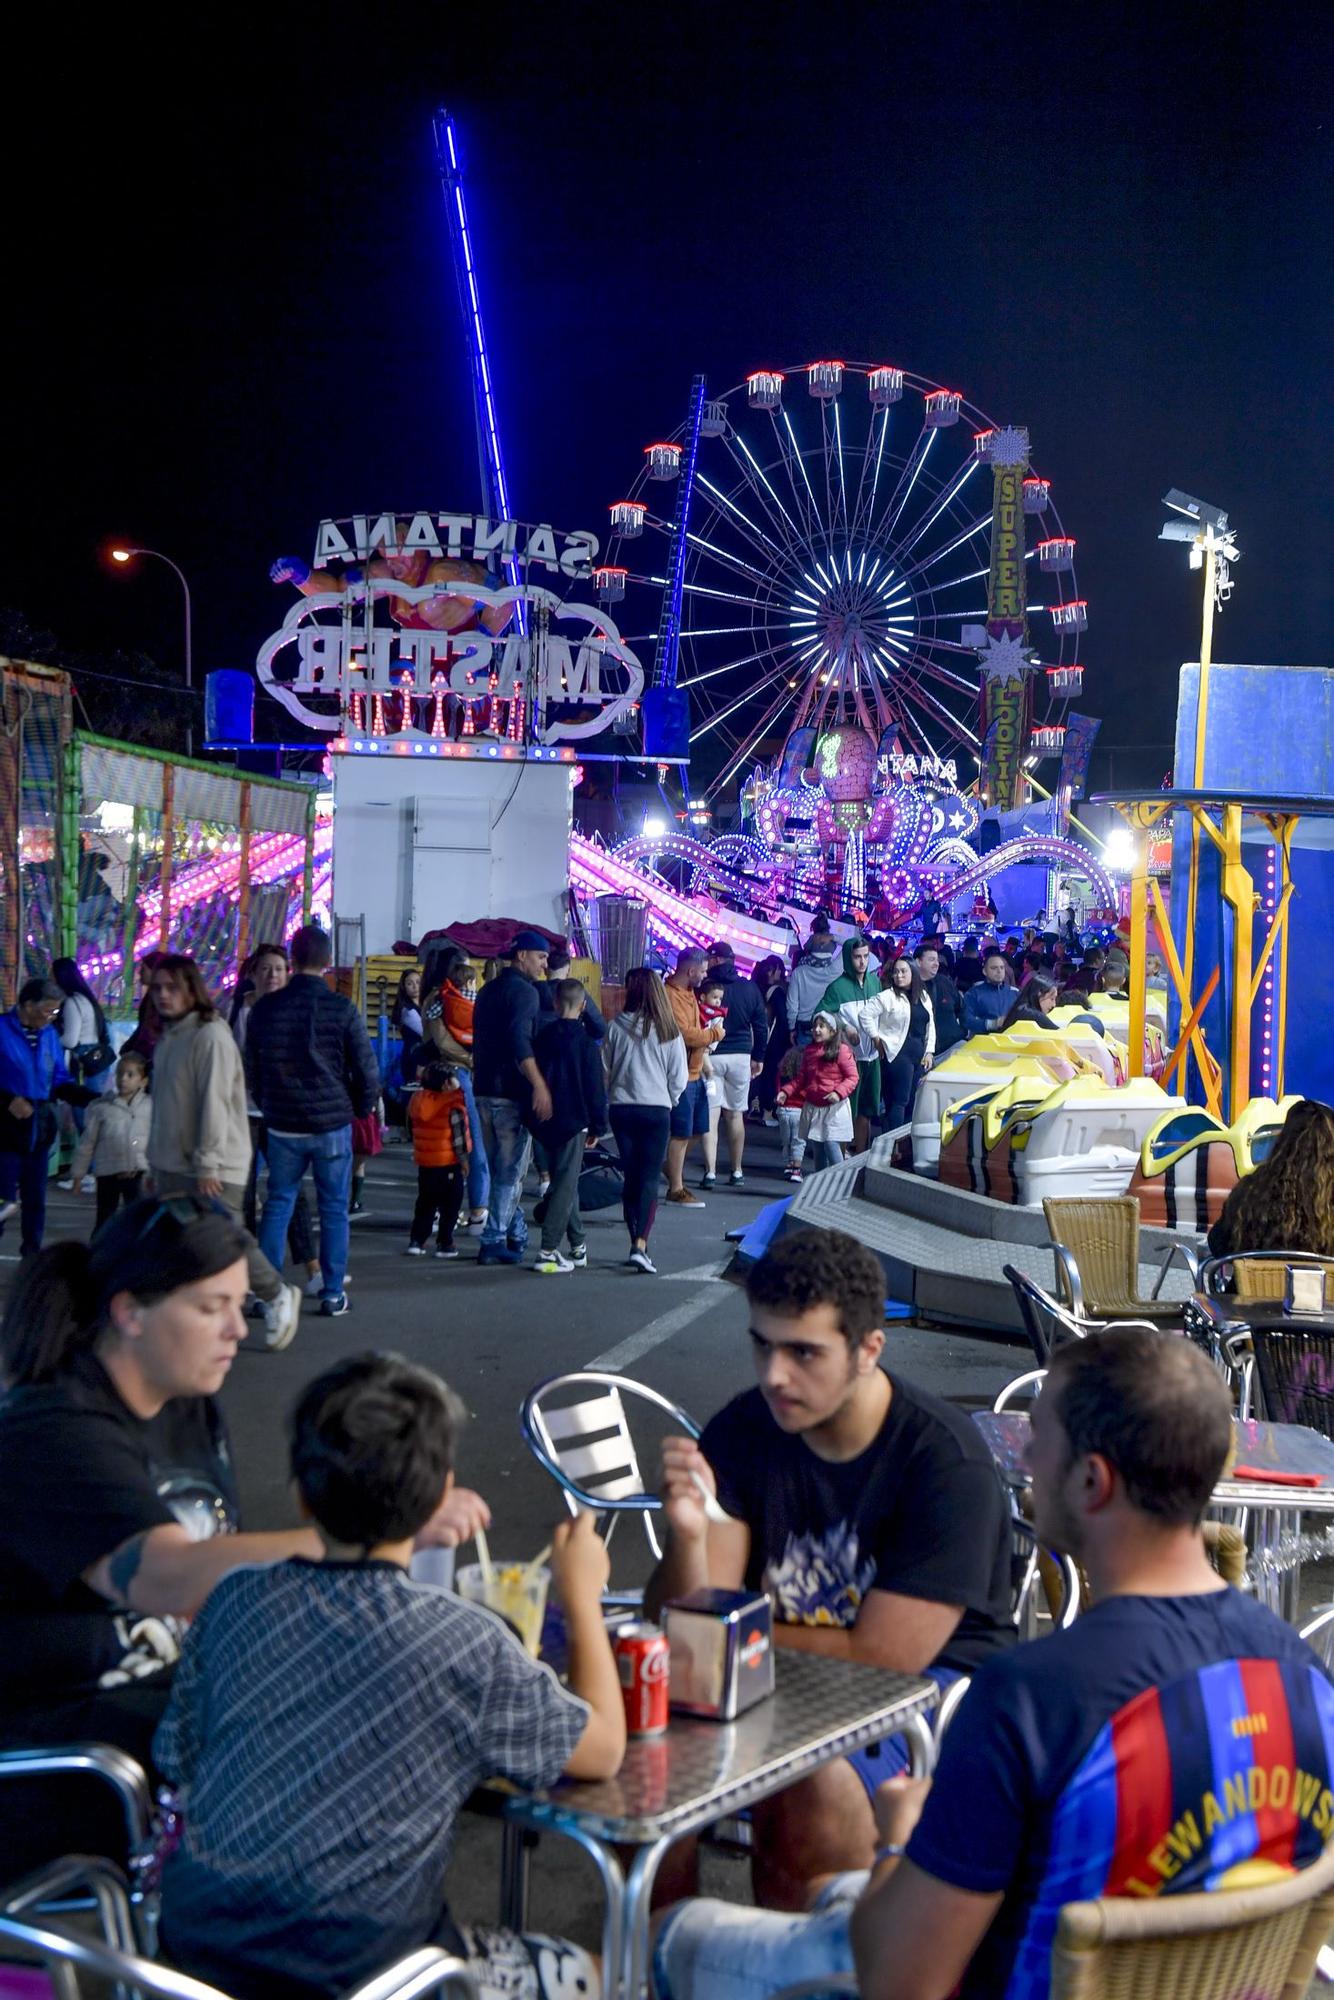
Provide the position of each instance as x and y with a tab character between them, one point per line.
916	459
759	471
757	534
951	493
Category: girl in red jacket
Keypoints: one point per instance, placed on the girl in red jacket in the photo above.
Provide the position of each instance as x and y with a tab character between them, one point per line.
822	1086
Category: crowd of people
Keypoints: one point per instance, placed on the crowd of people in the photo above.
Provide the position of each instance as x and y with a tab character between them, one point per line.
322	1717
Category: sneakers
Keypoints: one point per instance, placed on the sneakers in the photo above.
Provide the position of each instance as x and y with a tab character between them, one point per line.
416	1250
552	1264
499	1253
792	1174
736	1178
66	1185
335	1308
280	1318
641	1261
684	1199
88	1185
706	1181
445	1250
579	1257
7	1208
476	1221
356	1207
544	1186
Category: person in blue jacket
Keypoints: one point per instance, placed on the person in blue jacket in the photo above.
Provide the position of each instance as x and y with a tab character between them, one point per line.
986	1004
32	1075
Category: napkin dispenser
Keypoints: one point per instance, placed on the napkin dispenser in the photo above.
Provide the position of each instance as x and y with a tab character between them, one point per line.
1304	1289
722	1651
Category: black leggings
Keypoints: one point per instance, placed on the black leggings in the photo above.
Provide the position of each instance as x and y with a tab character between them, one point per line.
439	1192
641	1132
901	1083
112	1190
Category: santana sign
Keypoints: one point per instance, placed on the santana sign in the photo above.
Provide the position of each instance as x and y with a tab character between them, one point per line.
454	537
561	674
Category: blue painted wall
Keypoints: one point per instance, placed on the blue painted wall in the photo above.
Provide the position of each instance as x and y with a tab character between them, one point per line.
1270	729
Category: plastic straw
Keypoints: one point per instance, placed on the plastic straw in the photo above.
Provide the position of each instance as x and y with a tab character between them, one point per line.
483	1555
712	1510
530	1569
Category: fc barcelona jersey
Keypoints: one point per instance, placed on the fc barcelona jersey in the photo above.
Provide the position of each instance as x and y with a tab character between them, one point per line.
1162	1745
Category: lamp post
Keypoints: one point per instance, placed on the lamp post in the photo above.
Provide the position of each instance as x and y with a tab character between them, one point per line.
126	555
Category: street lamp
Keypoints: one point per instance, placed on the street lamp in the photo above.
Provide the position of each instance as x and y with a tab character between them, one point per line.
126	555
1213	548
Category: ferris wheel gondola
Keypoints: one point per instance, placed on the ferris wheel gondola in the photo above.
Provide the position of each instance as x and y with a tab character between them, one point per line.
837	555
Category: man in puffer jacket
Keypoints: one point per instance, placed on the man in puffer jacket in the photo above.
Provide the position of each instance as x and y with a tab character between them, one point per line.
311	1070
986	1004
810	980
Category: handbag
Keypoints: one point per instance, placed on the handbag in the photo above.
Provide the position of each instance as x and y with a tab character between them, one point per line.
99	1061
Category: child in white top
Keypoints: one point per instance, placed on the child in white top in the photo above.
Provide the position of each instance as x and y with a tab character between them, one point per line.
114	1145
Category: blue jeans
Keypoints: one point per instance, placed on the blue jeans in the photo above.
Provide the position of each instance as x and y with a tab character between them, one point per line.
23	1179
508	1145
708	1950
479	1173
329	1157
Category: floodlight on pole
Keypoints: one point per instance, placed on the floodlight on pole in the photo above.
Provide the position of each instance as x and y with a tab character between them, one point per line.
1213	548
119	555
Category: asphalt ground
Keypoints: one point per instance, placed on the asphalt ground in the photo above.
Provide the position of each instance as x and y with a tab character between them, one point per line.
493	1333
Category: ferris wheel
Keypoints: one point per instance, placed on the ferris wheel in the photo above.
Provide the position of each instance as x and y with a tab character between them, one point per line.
838	546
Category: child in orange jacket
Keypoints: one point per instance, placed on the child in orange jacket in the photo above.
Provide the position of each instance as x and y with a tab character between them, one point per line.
438	1120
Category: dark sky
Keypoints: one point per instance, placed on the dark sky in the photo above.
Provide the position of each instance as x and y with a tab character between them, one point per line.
227	268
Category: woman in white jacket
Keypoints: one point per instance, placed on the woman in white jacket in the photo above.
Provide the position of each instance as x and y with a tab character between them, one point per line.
896	1022
645	1058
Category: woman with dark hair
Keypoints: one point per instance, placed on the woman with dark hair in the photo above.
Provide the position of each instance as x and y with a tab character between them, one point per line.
148	1029
199	1142
916	1053
82	1027
405	1014
114	1466
1287	1203
770	975
1032	1004
647	1072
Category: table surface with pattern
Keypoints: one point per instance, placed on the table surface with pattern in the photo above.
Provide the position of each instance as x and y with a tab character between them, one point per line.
697	1771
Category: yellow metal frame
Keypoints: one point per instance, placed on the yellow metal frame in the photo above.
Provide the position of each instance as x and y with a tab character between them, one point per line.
1219	822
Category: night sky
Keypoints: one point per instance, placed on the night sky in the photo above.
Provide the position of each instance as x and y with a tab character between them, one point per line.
228	273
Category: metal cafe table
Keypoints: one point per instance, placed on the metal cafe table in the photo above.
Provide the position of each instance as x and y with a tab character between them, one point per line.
699	1771
1275	1505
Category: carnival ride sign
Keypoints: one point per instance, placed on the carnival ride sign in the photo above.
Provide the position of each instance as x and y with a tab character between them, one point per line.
342	656
1004	715
455	538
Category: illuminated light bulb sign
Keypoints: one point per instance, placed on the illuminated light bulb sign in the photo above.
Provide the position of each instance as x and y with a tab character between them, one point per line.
566	658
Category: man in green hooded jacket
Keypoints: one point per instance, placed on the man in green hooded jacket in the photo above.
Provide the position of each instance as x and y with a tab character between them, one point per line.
856	984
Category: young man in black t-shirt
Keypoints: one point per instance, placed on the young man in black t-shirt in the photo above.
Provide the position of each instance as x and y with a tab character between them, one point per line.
1177	1738
870	1511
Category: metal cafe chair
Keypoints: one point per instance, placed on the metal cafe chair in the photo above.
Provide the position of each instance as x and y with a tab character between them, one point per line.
105	1768
1095	1241
66	1955
588	1449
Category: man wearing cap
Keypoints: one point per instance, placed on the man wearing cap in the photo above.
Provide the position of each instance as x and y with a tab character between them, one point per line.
32	1074
507	1083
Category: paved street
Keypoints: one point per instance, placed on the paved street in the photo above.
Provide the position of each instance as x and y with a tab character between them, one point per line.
493	1333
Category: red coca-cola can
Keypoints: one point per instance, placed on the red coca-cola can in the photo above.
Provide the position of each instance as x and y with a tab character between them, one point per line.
641	1661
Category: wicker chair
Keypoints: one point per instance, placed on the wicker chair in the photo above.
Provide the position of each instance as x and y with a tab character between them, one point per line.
1096	1245
1240	1944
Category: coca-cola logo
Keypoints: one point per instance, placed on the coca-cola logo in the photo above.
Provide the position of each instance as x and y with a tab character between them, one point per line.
653	1666
753	1648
